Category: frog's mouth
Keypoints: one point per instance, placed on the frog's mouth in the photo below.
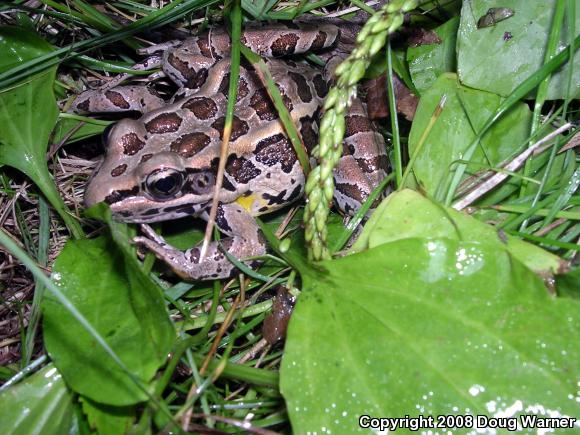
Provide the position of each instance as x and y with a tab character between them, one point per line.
141	210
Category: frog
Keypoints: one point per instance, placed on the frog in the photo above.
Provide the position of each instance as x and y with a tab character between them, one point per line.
163	165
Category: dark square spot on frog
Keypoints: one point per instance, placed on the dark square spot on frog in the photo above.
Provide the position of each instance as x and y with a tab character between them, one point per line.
285	44
373	164
368	165
117	99
239	127
221	220
202	107
164	123
302	86
241	169
196	78
320	85
319	41
227	185
205	47
308	132
276	149
190	144
287	101
357	124
119	170
242	90
263	106
131	143
193	79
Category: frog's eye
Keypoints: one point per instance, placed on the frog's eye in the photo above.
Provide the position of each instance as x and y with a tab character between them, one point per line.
164	184
106	132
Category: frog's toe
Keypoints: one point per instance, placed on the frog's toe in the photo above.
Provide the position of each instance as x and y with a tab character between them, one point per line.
151	234
160	250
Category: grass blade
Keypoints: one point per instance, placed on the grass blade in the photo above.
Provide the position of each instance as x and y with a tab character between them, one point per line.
398	163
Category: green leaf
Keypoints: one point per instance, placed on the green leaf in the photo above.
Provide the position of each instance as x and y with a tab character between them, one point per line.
74	130
28	113
123	305
146	296
41	404
105	419
465	110
568	285
429	327
498	58
427	62
407	214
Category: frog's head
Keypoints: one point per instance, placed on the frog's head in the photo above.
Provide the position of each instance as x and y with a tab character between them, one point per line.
147	177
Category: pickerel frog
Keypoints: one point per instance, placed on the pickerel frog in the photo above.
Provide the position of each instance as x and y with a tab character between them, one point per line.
163	165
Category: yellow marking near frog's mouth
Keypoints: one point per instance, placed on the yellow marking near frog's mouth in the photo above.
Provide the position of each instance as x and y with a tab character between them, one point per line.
247	202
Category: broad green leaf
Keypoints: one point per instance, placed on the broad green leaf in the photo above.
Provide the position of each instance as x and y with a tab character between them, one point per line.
80	131
41	404
498	58
28	113
146	297
108	420
119	301
407	214
465	112
568	285
427	62
428	327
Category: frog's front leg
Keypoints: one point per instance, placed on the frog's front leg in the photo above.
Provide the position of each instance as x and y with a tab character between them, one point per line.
245	240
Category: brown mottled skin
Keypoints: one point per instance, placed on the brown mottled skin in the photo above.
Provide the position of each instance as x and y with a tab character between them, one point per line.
163	165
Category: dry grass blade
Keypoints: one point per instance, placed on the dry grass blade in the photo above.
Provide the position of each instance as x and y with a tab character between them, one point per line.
514	165
574	142
218	187
223	327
